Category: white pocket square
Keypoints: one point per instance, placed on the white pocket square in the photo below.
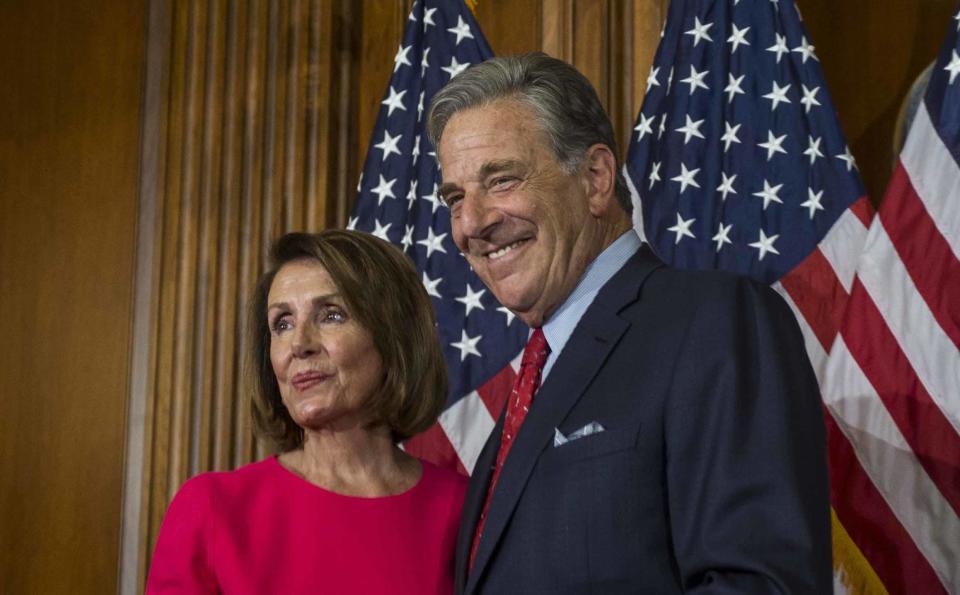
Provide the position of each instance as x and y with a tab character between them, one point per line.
591	428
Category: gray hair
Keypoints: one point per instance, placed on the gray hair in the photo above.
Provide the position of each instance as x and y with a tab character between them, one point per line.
563	100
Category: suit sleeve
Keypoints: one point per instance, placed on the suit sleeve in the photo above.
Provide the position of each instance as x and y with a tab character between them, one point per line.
746	452
181	559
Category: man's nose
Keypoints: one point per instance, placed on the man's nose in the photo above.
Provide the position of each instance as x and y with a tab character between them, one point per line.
477	216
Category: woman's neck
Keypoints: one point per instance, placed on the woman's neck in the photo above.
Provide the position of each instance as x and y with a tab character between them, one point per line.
355	462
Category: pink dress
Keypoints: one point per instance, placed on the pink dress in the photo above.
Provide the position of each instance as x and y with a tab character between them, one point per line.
262	529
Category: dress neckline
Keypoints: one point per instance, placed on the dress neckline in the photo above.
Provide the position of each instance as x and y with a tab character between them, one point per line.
303	484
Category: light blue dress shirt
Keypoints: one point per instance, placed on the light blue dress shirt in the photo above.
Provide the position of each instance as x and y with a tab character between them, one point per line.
559	327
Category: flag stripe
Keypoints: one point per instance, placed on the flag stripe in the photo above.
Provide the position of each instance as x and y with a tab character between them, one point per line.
923	424
818	296
467	424
871	524
847	236
898	472
434	446
925	253
935	175
494	392
934	359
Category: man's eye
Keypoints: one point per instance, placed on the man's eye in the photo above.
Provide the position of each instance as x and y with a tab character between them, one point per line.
452	199
503	183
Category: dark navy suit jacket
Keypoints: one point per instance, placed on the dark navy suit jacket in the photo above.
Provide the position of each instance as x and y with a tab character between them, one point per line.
710	476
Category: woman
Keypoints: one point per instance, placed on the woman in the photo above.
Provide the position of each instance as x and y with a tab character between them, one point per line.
348	364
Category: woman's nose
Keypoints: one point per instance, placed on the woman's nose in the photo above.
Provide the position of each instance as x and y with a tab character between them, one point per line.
305	341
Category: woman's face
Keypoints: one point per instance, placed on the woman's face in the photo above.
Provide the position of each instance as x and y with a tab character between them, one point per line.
325	362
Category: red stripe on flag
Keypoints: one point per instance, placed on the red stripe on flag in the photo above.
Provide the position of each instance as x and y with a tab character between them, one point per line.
871	523
815	289
494	392
925	428
863	209
925	253
434	446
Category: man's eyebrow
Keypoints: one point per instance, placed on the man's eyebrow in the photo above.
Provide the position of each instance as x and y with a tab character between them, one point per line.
486	170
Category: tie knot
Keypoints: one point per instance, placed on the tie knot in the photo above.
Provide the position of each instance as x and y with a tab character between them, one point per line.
536	351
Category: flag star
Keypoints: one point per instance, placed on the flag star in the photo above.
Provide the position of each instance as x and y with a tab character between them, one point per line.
813	149
670	79
415	152
407	240
413	13
652	78
433	242
384	189
737	37
420	107
431	285
428	18
813	202
682	228
663	126
956	17
654	173
848	157
506	312
645	126
433	198
769	194
412	193
953	67
777	95
455	67
360	182
425	61
472	299
806	50
686	178
381	230
401	58
723	235
461	30
729	136
467	345
690	129
733	86
780	47
765	244
352	223
773	144
699	31
394	101
389	144
695	79
809	98
726	187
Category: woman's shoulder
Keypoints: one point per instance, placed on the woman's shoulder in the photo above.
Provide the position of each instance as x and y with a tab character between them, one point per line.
240	479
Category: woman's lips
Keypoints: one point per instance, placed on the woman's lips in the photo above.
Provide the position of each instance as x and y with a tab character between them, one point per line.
305	380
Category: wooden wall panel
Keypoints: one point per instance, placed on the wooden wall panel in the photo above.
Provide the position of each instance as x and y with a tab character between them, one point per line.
871	52
69	126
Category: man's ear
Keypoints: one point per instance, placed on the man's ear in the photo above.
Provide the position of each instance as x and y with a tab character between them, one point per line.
600	174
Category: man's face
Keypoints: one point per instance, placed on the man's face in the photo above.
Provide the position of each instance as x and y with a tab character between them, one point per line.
521	222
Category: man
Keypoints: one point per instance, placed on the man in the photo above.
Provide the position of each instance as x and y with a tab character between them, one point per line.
675	443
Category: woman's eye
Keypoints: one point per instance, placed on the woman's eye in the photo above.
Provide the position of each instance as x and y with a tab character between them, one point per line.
281	324
333	315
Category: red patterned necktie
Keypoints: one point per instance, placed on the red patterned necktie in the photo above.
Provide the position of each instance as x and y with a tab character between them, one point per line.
527	383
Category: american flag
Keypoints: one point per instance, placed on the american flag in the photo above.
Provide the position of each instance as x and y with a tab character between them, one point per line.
397	201
738	162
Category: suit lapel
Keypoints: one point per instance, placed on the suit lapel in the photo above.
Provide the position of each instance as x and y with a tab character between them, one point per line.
581	360
473	502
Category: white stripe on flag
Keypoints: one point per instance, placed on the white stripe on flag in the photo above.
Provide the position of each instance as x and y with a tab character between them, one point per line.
846	237
467	424
935	176
931	353
891	465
